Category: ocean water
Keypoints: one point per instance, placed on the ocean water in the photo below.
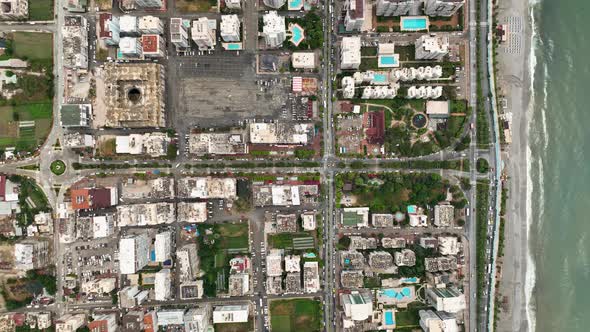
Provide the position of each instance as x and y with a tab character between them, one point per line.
559	167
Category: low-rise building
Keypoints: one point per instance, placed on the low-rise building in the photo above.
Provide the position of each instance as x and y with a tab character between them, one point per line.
444	263
352	278
239	284
274	263
443	213
308	221
76	140
448	245
14	9
192	212
109	29
198	319
440	109
362	243
207	188
406	257
355	15
75	42
150	25
188	262
202	144
311	277
303	60
70	323
146	214
231	314
292	263
280	133
382	262
431	47
393	243
103	323
99	286
170	317
286	223
153	46
233	4
293	282
31	254
152	144
382	219
442	7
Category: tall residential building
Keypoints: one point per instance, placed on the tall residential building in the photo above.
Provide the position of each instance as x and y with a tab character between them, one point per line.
14	9
150	25
153	46
198	319
203	33
31	254
150	3
358	305
431	47
350	53
355	15
274	30
163	246
163	285
233	4
229	29
446	299
128	25
178	33
133	253
130	46
442	7
109	29
396	7
431	321
276	4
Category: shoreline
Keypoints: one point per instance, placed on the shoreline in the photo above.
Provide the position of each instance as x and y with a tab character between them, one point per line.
514	291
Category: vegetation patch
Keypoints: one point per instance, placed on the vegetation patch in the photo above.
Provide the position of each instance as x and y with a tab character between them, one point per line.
41	10
295	315
58	167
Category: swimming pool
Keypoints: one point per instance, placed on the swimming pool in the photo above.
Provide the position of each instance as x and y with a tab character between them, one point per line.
414	23
411	280
380	78
295	4
389	318
388	61
234	46
392	293
412	208
297	34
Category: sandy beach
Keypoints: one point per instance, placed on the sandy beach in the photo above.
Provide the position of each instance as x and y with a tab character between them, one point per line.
514	80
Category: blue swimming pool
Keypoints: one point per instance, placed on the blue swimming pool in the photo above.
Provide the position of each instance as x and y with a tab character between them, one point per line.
389	318
297	35
380	78
392	293
414	23
412	208
409	280
387	61
234	47
295	4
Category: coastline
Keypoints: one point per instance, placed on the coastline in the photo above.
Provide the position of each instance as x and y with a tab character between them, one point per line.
515	79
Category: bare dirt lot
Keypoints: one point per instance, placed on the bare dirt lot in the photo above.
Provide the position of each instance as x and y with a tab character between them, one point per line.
221	90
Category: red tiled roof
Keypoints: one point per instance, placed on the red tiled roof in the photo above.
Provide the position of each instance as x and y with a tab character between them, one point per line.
2	187
375	124
80	199
104	31
98	326
149	43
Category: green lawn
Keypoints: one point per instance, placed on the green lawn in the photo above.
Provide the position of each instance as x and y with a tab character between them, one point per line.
285	240
33	45
233	236
24	138
41	10
295	315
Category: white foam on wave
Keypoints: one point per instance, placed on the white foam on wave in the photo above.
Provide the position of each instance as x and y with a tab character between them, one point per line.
530	265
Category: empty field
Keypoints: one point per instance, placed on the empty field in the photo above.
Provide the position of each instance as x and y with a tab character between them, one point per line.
33	45
233	236
24	126
41	10
295	315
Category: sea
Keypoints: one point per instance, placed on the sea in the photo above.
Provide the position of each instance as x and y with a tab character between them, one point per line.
558	281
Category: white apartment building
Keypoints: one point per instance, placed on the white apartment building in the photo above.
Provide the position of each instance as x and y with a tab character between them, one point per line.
203	33
133	253
431	47
150	25
229	28
231	314
350	53
163	285
130	46
276	4
128	25
397	7
70	323
178	33
31	254
355	15
14	9
442	7
233	4
163	246
274	29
